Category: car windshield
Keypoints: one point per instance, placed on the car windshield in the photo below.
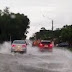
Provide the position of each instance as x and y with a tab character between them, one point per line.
19	42
35	35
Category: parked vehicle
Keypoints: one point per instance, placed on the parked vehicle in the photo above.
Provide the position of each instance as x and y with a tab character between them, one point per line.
63	44
19	46
45	45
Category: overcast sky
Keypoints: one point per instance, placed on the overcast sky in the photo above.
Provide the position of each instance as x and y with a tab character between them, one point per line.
41	12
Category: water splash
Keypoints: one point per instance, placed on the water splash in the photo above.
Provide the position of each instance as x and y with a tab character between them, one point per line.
5	48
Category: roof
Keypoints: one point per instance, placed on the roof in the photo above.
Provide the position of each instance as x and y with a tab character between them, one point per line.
45	41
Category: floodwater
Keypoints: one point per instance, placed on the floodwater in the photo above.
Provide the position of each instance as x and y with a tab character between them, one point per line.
60	60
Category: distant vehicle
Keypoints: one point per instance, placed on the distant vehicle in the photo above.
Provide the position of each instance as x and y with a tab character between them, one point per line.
19	46
35	42
45	44
63	44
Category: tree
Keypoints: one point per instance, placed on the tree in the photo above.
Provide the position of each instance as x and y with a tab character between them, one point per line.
13	25
6	11
66	33
43	34
43	28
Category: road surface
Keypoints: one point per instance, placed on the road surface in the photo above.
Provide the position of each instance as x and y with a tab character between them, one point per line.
60	60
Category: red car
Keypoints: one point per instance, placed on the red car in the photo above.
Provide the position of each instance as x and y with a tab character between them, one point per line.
46	45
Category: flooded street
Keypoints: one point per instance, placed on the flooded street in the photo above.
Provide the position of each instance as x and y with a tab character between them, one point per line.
60	60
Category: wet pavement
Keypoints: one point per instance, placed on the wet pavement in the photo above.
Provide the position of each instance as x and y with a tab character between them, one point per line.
60	60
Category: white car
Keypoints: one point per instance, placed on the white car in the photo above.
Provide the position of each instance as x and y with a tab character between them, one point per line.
19	46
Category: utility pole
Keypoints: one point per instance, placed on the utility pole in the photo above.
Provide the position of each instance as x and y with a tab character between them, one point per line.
52	30
52	25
